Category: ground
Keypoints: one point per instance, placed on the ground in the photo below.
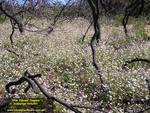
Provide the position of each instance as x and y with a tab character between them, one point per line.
65	61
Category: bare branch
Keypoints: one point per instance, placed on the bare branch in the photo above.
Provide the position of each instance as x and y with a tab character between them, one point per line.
13	30
135	60
87	31
32	82
18	22
58	15
132	9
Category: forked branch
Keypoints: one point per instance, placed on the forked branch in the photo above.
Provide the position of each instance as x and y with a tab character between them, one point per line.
136	7
34	84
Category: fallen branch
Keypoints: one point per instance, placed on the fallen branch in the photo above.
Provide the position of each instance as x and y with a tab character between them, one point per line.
141	101
135	60
33	83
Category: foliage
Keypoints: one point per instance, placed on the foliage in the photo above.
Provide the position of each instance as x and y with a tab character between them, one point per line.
118	18
140	31
3	18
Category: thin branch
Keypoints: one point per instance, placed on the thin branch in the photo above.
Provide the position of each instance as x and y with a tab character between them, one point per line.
131	9
148	84
87	31
19	24
11	51
11	35
135	60
58	15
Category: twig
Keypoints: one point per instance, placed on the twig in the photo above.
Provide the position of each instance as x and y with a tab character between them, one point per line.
130	10
87	31
19	24
58	15
11	51
13	30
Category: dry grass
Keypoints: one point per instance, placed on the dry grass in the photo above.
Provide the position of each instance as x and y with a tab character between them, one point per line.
65	62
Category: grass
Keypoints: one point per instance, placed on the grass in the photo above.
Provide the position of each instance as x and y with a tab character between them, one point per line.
119	18
65	63
140	31
3	18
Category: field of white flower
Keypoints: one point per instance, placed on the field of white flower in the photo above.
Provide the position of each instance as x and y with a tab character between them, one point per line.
65	62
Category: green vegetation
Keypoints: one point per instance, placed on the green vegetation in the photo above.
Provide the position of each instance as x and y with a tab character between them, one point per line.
3	18
65	62
118	18
140	31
